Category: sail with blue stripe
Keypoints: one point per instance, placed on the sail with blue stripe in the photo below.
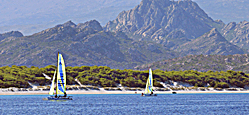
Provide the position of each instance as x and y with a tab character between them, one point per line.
61	76
149	84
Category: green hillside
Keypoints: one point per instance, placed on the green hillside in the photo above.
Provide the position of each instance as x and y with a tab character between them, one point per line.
102	76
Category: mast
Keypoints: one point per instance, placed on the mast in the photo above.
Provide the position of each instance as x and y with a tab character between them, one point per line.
56	76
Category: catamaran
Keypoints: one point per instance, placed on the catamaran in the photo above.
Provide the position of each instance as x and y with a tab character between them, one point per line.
149	86
60	82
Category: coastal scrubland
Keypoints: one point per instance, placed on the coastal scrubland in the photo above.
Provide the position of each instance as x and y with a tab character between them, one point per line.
103	76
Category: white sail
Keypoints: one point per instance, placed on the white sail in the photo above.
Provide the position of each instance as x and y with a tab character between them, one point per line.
51	91
147	87
151	79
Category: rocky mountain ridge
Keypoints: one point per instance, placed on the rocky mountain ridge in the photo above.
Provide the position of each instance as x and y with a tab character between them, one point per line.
163	21
30	17
237	34
10	34
154	30
204	63
211	42
81	44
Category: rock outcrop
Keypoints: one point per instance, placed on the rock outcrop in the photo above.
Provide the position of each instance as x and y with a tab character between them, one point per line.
210	43
237	34
81	44
11	34
163	21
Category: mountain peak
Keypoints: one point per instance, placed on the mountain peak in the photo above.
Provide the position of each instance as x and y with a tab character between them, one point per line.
213	32
154	20
213	36
210	43
237	34
94	24
10	34
69	23
146	1
14	33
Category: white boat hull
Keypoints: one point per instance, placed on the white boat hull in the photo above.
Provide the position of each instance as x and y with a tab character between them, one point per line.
58	98
149	95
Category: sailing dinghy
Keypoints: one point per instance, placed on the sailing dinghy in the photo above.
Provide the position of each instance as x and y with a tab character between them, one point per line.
149	86
60	82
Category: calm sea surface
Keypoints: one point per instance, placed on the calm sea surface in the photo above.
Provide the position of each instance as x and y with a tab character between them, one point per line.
189	104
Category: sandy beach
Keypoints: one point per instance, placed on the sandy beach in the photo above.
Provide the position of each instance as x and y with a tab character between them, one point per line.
117	92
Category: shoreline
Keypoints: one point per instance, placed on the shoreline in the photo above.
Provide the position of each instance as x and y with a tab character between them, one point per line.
121	92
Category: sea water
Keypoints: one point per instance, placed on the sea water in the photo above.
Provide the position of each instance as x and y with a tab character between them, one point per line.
130	104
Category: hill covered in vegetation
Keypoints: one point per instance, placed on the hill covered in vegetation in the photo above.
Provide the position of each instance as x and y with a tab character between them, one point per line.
102	76
152	31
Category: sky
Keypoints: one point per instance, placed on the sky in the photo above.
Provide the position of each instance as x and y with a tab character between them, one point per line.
31	16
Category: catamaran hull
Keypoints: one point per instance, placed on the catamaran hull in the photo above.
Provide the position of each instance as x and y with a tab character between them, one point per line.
59	98
149	95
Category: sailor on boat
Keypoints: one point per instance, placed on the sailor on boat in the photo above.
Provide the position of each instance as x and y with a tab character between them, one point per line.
60	82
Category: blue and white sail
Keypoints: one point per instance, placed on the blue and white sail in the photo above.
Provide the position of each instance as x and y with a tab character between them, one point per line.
149	84
60	79
61	76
